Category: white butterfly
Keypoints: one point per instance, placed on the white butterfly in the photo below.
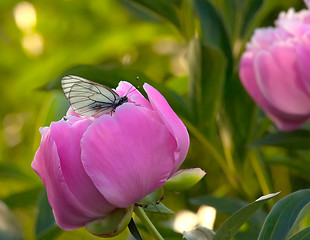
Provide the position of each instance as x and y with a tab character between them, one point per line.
89	98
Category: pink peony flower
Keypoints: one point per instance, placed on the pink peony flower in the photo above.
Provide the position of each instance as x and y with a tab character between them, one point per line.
92	166
275	69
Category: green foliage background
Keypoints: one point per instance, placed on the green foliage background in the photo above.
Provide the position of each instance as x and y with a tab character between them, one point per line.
189	50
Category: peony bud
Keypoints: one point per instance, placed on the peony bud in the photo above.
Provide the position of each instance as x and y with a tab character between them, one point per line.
184	179
94	166
275	69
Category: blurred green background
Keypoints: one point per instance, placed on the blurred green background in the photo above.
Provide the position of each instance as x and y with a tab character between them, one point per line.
188	49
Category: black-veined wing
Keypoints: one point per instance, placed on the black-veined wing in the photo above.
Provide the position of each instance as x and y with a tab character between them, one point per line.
88	98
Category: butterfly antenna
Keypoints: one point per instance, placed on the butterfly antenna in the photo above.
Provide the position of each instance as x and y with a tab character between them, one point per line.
137	79
129	90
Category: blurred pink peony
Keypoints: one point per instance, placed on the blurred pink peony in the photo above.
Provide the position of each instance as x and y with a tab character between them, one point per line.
92	166
275	69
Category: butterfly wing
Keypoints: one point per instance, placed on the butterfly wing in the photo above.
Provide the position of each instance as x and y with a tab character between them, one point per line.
88	98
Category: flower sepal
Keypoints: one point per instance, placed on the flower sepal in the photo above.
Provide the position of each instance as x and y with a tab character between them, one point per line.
184	179
111	225
152	198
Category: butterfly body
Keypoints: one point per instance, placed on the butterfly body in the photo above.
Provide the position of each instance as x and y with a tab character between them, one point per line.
120	102
89	98
100	105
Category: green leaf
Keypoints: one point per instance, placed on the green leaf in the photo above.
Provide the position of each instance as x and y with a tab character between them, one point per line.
302	235
231	12
300	165
240	115
52	233
187	19
299	139
166	229
213	29
157	208
165	9
11	171
210	63
9	229
286	215
134	230
213	68
230	227
46	227
252	11
23	199
207	73
151	203
199	233
153	197
107	76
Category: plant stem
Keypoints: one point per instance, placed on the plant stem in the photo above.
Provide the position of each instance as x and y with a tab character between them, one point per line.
147	222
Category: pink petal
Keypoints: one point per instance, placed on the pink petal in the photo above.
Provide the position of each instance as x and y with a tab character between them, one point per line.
307	2
279	80
69	213
129	155
71	112
294	27
133	94
248	78
67	137
44	130
303	59
288	123
172	122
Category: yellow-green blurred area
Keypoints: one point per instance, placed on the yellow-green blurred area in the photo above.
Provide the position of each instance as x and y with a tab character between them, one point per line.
39	40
